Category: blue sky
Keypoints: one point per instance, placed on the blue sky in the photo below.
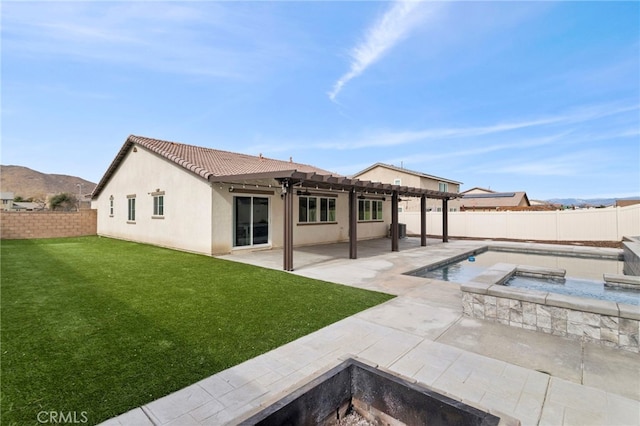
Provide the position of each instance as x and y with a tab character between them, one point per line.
536	96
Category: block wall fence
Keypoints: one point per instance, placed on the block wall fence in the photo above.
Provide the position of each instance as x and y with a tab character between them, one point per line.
47	224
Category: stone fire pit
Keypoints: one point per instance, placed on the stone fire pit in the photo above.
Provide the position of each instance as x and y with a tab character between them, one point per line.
380	397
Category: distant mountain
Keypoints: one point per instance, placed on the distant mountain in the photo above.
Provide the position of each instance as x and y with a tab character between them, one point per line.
27	183
587	202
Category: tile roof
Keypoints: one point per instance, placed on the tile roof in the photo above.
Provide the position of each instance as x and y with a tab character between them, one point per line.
208	161
493	200
403	170
205	162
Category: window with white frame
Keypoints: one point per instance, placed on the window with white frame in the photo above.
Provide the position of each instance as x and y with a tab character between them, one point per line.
158	203
111	206
369	210
316	209
397	181
131	208
443	187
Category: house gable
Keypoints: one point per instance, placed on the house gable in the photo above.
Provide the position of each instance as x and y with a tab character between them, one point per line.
478	190
126	200
206	163
380	172
385	170
493	200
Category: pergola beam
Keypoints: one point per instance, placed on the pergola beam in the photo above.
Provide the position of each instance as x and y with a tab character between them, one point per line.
423	220
445	220
394	221
287	193
290	178
353	224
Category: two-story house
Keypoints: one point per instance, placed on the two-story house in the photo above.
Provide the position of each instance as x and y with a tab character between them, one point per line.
387	173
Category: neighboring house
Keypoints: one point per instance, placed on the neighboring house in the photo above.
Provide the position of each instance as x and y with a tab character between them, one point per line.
539	203
213	202
477	198
7	200
27	206
627	202
8	203
387	173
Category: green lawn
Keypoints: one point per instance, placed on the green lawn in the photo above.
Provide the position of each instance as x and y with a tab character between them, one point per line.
101	326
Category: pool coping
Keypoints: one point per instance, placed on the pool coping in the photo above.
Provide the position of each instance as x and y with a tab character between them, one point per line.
491	282
568	251
606	322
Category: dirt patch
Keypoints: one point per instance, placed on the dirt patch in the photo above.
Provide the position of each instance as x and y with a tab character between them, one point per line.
610	244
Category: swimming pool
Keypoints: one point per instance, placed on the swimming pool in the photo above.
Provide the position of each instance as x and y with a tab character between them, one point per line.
576	287
584	275
463	270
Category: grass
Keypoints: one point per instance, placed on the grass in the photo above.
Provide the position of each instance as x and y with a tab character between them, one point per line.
101	326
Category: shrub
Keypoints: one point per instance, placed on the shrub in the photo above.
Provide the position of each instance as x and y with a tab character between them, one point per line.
64	201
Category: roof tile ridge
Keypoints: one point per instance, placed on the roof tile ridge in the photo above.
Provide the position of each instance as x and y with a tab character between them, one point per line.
199	170
148	143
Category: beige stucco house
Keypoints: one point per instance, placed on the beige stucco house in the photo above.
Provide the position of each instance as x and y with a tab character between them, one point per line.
380	172
213	202
7	200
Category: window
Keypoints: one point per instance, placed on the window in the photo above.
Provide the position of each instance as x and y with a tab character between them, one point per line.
251	221
397	181
131	208
316	209
158	205
111	206
369	210
443	187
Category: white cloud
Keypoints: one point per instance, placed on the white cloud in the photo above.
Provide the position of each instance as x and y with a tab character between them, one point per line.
390	138
206	38
547	167
571	127
391	28
515	144
586	163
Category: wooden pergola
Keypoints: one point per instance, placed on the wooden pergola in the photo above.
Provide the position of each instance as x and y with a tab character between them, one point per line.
289	180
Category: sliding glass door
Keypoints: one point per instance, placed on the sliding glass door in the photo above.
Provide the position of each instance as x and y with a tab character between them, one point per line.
251	221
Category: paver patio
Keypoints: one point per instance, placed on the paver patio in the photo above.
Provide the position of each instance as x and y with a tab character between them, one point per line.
422	334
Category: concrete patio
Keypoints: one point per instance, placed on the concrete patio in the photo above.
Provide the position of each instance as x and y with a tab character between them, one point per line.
422	334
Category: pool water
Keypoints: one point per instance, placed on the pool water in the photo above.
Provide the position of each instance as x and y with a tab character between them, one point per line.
583	275
459	272
576	287
578	267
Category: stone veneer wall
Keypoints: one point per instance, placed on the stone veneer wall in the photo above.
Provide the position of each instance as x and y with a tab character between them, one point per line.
608	323
47	224
631	248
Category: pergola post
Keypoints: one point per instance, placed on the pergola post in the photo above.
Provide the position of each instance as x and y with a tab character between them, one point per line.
287	192
423	220
394	221
445	220
353	224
